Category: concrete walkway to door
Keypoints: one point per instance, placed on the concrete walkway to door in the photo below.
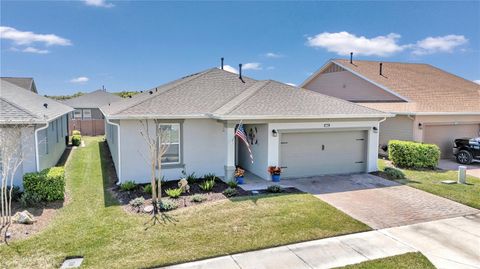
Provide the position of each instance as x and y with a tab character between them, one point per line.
449	243
378	202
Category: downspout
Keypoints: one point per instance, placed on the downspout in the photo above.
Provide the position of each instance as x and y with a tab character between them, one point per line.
37	159
119	151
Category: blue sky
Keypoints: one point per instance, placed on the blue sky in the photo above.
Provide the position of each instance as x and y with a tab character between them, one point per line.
70	46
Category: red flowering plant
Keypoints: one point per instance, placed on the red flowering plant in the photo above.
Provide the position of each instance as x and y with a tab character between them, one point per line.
239	172
274	170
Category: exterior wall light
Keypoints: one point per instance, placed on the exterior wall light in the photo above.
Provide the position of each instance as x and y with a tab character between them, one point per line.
375	129
274	133
420	126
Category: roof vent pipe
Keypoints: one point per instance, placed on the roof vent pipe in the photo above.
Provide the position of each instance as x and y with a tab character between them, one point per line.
351	57
45	105
221	60
380	71
240	71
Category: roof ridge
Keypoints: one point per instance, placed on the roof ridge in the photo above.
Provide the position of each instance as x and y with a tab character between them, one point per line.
20	108
239	99
187	78
395	62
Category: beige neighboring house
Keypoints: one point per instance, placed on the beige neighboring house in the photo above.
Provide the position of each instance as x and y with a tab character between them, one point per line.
431	105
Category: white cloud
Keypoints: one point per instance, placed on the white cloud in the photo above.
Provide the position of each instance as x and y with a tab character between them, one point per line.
270	67
291	84
79	80
98	3
477	81
343	43
273	55
230	69
27	38
432	45
35	50
252	66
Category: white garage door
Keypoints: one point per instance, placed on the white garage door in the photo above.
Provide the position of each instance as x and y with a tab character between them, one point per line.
444	135
321	153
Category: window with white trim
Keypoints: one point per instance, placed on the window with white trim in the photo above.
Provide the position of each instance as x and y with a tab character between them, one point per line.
87	114
172	139
77	114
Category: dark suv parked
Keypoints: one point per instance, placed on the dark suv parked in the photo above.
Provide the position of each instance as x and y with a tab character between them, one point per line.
467	149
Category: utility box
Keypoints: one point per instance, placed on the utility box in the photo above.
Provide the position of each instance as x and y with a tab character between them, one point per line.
462	174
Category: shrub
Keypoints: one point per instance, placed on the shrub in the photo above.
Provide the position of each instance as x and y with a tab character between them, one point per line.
137	202
394	173
174	193
191	178
230	192
168	204
76	132
76	140
128	186
147	189
198	198
274	189
207	185
232	184
48	185
16	193
413	155
30	199
210	176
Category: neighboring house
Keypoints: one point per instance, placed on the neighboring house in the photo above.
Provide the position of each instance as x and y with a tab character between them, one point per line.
25	83
432	106
42	126
306	133
87	117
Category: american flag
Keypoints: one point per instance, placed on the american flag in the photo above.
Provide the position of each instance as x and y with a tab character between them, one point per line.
240	133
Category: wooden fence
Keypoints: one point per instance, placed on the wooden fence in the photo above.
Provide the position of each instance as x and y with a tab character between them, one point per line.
87	127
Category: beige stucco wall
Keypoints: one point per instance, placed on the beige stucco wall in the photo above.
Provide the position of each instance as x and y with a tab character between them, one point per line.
348	86
399	127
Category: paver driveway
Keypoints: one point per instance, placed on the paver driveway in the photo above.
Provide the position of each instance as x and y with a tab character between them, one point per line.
378	202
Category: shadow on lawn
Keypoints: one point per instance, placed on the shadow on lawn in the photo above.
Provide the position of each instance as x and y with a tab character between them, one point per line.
109	175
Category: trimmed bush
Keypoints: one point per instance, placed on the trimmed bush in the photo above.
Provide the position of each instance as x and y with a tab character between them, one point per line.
48	185
76	132
76	140
274	189
413	155
30	200
394	173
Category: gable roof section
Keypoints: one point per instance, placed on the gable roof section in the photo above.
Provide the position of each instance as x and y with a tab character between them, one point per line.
23	106
219	94
25	83
428	90
93	99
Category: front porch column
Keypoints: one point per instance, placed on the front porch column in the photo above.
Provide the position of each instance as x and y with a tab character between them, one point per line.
229	130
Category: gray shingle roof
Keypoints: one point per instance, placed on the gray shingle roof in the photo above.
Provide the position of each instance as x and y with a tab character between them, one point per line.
23	106
93	99
25	83
216	93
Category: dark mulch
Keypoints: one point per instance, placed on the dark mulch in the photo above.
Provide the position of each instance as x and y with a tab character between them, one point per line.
216	194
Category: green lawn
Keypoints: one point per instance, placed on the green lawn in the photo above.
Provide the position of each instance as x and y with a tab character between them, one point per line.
405	261
430	181
94	226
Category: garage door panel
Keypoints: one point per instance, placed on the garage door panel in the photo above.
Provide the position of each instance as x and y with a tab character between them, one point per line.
319	153
444	135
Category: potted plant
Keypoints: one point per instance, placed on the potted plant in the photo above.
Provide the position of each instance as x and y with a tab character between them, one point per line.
275	172
239	173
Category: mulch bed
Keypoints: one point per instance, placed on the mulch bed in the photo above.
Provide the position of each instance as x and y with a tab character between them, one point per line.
216	194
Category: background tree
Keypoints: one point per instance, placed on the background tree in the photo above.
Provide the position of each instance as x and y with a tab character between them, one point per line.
158	139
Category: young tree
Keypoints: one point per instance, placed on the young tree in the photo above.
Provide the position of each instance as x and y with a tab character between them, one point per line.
12	154
158	139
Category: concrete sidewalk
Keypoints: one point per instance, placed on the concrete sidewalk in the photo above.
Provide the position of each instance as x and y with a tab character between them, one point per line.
448	243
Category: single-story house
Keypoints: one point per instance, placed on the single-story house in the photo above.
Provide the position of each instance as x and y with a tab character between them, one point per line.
41	124
431	105
304	132
87	117
26	83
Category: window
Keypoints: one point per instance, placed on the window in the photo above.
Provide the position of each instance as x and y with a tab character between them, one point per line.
77	114
87	114
171	137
